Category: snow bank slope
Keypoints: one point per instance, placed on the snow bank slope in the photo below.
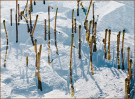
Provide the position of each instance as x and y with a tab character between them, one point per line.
17	80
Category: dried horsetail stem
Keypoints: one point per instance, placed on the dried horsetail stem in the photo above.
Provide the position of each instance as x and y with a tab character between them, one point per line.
84	10
16	5
5	31
79	41
55	32
130	65
38	66
5	56
18	15
89	30
75	24
40	48
49	62
91	44
93	13
16	30
72	21
72	88
34	25
126	87
118	43
89	38
86	30
30	10
35	48
39	81
31	7
16	23
38	58
93	20
31	35
95	29
123	39
128	56
78	7
45	30
27	60
24	11
95	48
48	20
104	41
49	35
7	43
87	12
32	40
38	55
122	50
11	17
28	29
39	78
109	37
30	22
26	8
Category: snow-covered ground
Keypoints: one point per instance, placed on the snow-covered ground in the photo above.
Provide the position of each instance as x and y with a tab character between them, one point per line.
19	81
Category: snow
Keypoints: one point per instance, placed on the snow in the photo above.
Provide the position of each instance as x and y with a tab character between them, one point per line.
19	81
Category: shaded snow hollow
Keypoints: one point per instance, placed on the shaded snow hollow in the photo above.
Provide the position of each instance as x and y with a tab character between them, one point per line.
19	81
